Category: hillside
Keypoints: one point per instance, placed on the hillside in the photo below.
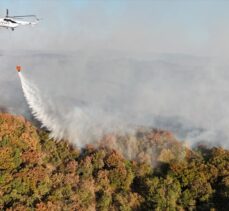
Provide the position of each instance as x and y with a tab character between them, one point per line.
37	173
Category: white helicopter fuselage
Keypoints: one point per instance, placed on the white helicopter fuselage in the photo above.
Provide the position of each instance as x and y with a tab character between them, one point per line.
8	23
13	23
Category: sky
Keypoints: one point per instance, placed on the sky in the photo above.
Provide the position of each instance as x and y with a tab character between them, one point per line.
197	27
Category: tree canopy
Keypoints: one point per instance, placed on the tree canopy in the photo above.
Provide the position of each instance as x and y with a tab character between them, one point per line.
38	173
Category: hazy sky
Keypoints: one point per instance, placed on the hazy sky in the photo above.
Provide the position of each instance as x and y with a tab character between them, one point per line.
188	88
193	27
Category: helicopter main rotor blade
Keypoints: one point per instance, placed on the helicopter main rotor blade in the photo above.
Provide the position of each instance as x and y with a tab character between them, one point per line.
23	16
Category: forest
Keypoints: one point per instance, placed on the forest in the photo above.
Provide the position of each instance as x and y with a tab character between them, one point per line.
39	173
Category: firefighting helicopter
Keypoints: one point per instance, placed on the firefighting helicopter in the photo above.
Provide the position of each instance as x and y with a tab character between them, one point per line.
11	22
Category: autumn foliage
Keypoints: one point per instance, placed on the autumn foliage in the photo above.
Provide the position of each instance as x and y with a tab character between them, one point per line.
37	173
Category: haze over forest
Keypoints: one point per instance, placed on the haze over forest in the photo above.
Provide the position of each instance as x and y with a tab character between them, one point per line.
162	64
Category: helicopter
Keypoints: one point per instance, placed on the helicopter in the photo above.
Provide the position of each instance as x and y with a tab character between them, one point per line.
11	22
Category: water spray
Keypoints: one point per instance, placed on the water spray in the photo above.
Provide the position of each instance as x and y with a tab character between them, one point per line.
38	107
76	126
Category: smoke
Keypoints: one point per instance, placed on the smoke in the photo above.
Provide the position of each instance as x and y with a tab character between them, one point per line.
183	94
111	90
100	67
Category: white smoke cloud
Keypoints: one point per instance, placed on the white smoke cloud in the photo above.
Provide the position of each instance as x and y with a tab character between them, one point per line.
125	83
186	95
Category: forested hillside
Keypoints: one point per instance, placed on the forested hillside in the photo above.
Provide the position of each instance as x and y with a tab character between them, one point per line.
37	173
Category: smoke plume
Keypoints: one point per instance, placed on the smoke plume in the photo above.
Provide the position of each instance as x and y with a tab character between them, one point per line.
101	67
116	94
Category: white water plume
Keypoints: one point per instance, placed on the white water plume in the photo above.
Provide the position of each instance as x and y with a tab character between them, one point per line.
80	126
38	107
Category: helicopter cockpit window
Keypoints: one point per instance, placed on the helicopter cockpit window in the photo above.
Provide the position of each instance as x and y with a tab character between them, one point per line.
9	20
